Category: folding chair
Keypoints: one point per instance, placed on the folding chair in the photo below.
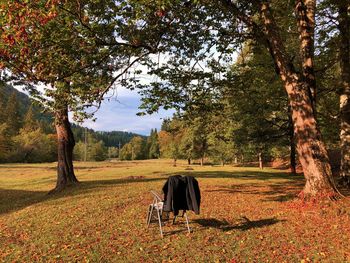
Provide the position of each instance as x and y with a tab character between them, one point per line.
157	208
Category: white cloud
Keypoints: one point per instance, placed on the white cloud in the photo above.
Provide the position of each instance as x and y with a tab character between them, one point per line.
119	114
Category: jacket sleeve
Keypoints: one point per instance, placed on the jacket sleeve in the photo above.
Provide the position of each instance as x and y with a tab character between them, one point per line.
168	194
193	194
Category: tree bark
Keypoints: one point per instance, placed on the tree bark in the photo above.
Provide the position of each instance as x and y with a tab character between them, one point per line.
305	11
292	158
344	53
261	166
312	153
189	161
65	142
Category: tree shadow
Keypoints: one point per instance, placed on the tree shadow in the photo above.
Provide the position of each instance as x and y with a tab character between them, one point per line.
275	192
245	225
248	175
14	199
282	192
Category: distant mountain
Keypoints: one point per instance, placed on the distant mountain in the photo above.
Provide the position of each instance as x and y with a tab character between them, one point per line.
110	139
24	102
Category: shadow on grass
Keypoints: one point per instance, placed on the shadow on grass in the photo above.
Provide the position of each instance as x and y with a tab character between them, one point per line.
269	190
245	225
272	192
248	175
14	199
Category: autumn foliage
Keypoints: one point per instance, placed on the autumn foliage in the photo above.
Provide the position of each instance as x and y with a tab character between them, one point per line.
20	23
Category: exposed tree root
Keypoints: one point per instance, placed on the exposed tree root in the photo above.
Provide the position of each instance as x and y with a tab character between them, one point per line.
332	196
60	188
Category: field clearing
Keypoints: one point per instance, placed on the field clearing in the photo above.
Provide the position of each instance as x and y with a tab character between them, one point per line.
247	215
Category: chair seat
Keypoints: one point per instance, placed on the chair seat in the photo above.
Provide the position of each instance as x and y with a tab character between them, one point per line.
158	206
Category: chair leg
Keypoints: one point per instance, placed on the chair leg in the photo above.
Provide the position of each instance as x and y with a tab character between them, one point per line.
188	226
149	209
160	223
150	215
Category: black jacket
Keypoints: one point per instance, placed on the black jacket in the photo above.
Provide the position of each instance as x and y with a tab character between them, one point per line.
181	193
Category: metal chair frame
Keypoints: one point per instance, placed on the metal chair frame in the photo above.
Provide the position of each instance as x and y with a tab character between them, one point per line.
157	206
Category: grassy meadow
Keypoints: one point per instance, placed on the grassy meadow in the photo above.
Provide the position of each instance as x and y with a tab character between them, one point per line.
247	215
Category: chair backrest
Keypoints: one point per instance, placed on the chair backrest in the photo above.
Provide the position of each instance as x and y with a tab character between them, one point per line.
156	196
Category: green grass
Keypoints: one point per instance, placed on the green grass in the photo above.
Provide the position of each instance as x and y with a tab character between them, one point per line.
247	215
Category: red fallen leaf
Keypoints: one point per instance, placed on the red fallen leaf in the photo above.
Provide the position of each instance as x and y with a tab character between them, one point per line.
24	51
135	42
160	13
11	39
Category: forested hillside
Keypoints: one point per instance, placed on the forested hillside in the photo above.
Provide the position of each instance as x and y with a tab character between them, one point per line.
110	138
27	133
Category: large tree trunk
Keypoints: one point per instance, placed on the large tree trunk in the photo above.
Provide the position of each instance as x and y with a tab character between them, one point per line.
305	11
65	141
311	150
312	153
344	53
292	159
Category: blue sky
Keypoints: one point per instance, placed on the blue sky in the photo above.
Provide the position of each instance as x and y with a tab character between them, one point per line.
119	114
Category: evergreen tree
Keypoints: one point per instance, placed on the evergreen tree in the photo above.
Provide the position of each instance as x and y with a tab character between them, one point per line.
148	144
13	118
29	122
5	143
153	151
2	102
2	111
